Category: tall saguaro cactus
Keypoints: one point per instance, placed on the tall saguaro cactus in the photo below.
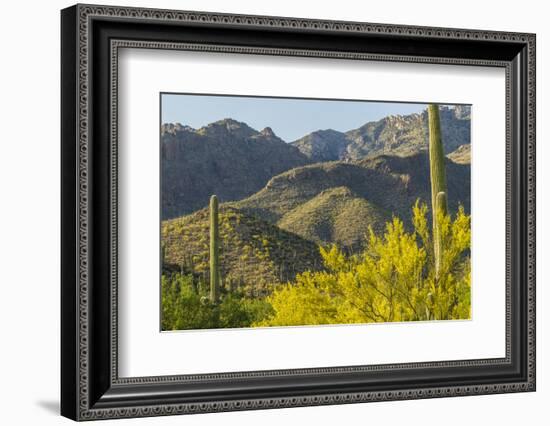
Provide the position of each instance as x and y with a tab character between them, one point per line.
438	181
214	251
162	253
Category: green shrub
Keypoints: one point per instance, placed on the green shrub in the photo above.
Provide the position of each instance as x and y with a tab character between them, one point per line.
186	306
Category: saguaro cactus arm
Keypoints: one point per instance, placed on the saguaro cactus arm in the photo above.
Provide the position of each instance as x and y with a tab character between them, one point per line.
214	251
441	203
438	180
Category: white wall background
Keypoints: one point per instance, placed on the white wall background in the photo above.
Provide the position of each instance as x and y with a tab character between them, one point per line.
29	211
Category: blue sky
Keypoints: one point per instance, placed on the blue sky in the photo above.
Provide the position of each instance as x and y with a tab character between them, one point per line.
290	119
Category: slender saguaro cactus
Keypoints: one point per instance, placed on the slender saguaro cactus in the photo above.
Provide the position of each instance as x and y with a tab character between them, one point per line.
162	253
438	181
214	251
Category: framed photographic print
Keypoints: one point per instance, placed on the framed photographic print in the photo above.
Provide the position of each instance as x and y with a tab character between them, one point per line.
263	212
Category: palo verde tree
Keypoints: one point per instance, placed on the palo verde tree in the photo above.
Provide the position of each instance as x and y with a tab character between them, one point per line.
391	280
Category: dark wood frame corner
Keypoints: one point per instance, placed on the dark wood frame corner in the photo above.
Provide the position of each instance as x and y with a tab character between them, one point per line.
90	38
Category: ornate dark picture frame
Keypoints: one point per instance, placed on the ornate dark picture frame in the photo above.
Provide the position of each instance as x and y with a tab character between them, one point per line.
90	386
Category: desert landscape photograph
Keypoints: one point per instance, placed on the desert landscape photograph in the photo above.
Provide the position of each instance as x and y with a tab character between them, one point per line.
304	212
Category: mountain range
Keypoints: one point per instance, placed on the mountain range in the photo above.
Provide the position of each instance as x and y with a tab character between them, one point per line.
394	135
234	161
280	200
269	237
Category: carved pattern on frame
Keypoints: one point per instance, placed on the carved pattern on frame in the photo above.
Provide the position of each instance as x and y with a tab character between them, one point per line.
87	12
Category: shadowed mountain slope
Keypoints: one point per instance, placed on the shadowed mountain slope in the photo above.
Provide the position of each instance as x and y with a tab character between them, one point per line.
227	158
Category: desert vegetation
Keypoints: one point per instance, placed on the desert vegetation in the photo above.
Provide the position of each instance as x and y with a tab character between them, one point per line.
380	238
